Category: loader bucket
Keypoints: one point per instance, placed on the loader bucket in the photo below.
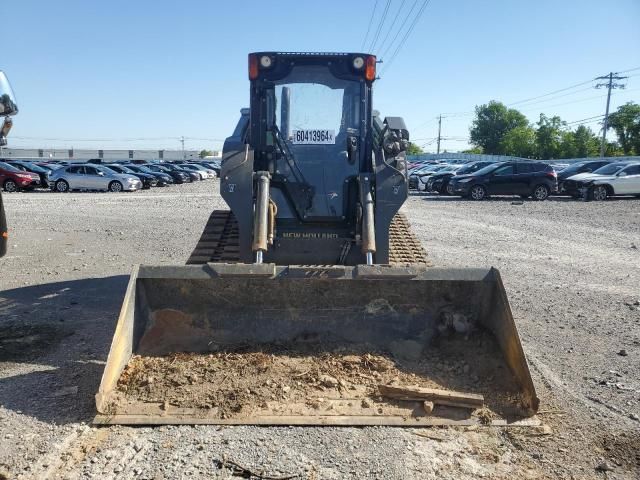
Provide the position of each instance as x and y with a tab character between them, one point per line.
272	345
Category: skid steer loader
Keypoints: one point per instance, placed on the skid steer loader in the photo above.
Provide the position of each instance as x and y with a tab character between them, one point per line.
310	301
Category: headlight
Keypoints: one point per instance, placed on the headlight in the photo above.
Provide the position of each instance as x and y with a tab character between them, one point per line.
358	63
265	61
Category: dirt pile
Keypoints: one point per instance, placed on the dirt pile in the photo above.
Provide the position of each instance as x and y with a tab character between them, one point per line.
242	383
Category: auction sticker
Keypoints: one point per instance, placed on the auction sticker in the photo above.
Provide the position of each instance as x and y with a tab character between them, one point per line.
313	137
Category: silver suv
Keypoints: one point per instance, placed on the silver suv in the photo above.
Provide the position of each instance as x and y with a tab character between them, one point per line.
91	177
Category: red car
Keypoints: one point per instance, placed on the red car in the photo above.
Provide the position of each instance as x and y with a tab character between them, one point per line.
12	179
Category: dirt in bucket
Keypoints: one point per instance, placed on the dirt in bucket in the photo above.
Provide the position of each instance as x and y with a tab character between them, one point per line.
289	379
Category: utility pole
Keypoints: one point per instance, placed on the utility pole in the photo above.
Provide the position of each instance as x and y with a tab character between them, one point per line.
184	157
439	130
609	84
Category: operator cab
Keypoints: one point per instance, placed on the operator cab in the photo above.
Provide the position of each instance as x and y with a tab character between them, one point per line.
310	128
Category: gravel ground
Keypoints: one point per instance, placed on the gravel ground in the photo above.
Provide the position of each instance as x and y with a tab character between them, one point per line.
572	274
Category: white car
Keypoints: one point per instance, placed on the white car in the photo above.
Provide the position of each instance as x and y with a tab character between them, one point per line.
91	177
205	173
424	179
620	178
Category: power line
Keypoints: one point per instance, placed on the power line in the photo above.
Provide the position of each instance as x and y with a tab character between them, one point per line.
472	112
205	139
567	88
551	99
380	24
406	35
399	29
551	93
610	84
427	122
373	12
595	118
395	19
630	70
564	103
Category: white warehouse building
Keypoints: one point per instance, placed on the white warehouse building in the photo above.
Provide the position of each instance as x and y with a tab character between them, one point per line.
106	155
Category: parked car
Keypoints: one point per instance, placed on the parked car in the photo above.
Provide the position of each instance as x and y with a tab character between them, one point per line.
147	180
526	179
572	185
162	178
13	179
49	166
575	169
92	177
193	176
423	180
212	165
416	173
621	178
43	173
177	175
441	181
205	173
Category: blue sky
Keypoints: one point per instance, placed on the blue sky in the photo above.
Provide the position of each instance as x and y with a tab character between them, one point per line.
156	70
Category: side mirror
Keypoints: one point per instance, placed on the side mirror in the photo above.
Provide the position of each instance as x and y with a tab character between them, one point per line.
101	174
622	174
8	105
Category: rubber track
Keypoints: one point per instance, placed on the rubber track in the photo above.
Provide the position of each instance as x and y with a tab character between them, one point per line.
219	242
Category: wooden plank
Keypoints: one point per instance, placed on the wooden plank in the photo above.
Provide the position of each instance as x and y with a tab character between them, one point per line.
439	397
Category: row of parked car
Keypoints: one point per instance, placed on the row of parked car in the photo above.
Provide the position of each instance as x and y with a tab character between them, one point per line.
590	180
64	176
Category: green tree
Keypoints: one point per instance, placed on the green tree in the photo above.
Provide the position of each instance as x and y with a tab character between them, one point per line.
568	145
549	137
493	121
586	142
626	123
205	153
613	149
476	150
519	142
414	149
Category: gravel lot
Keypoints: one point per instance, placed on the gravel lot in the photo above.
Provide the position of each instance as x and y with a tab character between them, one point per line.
571	270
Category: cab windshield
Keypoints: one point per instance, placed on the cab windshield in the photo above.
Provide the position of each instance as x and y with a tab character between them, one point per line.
310	106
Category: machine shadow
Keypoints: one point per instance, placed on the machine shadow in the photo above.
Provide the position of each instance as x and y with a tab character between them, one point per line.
54	340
